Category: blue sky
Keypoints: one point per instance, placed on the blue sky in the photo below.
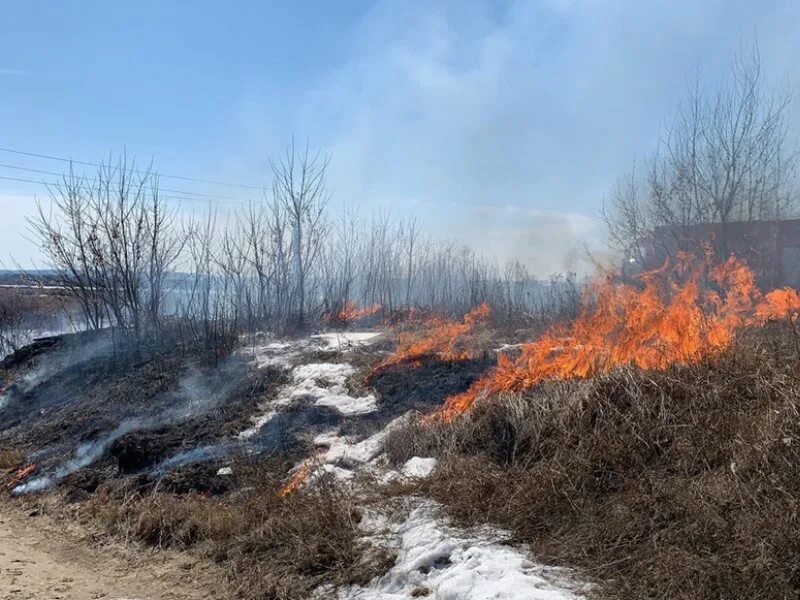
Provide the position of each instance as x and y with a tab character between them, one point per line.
501	124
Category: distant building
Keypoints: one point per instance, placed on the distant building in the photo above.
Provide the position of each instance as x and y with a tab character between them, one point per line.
770	248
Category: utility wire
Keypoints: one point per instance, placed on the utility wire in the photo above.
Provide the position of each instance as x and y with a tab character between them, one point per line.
164	175
89	180
55	184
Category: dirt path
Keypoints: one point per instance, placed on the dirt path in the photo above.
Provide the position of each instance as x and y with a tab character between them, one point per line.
43	560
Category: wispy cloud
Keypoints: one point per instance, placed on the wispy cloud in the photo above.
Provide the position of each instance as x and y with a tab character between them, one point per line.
7	71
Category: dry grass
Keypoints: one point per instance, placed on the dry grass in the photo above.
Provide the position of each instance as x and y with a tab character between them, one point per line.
676	484
10	458
272	547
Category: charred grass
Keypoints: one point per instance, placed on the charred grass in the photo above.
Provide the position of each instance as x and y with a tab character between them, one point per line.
271	547
675	484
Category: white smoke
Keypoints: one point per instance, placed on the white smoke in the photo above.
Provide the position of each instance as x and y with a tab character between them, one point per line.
197	393
85	455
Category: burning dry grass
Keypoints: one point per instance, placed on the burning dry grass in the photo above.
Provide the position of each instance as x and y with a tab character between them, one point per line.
680	483
350	312
683	314
440	338
273	546
14	469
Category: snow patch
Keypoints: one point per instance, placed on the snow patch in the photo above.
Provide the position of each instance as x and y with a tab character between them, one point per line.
346	340
508	348
343	457
419	467
342	451
439	561
324	384
258	423
347	405
272	354
285	353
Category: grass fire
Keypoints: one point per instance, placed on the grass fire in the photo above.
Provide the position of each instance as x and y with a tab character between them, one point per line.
385	310
683	314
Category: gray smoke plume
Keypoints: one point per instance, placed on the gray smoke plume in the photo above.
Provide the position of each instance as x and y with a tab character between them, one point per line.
197	455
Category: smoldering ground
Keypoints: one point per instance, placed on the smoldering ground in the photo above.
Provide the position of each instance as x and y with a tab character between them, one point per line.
82	405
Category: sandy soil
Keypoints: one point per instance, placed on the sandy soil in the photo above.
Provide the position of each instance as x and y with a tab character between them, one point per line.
41	559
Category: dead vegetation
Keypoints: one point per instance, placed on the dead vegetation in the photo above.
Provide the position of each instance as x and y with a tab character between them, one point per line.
272	547
10	458
674	484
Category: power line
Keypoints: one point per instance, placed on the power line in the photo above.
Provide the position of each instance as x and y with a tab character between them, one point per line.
91	164
160	189
53	184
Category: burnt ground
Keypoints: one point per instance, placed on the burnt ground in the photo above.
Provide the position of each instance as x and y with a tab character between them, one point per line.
421	386
64	398
159	483
74	391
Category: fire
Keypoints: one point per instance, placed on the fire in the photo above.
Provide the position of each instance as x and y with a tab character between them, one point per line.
351	312
19	474
779	304
440	337
297	480
681	315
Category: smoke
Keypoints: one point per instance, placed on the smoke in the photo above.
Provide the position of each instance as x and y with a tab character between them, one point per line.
75	351
197	393
197	455
544	241
85	455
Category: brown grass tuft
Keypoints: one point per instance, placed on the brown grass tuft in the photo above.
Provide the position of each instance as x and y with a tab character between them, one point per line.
272	547
675	484
10	458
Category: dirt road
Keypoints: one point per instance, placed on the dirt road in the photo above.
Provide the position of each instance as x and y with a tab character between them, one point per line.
41	559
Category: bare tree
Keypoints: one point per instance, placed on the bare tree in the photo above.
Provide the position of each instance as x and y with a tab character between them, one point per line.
299	189
725	158
410	234
111	242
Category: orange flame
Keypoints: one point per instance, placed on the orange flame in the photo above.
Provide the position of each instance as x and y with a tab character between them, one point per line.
19	474
351	312
439	337
779	304
664	323
297	480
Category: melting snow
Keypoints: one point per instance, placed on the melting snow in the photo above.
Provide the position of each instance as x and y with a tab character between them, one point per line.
414	468
277	354
347	405
507	347
285	353
344	452
342	457
419	467
324	384
438	561
258	423
346	340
